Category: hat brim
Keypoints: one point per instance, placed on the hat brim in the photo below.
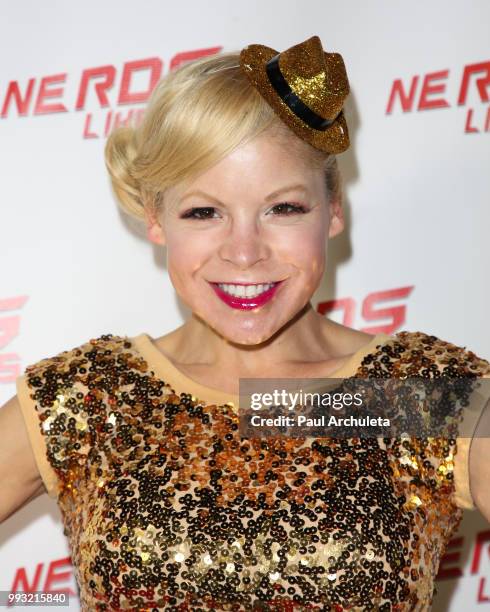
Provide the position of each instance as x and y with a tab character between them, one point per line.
335	139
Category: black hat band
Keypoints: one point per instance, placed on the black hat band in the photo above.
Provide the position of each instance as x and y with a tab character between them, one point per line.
291	100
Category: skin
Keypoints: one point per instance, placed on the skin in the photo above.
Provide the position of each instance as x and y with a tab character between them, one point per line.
243	240
243	237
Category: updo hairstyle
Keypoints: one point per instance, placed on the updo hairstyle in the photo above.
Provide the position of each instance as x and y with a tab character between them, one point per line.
195	116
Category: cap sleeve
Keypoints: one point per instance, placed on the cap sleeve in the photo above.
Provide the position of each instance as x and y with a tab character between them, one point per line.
462	495
64	409
445	458
36	438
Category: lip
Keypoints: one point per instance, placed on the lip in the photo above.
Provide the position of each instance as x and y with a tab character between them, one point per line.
242	303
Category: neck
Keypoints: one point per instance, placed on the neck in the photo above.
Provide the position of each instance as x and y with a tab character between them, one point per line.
307	337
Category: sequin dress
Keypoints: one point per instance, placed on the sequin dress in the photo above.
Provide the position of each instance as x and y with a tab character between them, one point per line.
166	507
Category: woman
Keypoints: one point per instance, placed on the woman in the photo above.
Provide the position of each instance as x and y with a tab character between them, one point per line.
165	505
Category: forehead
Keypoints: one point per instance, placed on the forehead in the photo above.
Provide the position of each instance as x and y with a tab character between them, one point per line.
267	158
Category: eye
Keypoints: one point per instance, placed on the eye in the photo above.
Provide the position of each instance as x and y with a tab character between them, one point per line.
286	209
199	213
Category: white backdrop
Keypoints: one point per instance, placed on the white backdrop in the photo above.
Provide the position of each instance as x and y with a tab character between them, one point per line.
417	183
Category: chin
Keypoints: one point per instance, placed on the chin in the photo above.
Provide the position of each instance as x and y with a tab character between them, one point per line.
248	337
246	340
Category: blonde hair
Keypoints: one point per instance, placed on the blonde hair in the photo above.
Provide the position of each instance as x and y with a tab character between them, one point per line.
196	115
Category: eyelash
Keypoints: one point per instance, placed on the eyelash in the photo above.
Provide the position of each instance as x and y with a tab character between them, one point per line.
297	209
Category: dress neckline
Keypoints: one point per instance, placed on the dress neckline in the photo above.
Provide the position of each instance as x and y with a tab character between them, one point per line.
181	383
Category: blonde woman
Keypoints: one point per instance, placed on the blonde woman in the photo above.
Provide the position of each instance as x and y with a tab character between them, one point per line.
165	504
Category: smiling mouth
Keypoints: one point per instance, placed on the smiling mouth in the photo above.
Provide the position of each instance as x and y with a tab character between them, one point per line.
244	291
244	296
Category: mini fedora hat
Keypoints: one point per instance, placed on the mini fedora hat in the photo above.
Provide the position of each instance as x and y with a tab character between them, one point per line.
306	87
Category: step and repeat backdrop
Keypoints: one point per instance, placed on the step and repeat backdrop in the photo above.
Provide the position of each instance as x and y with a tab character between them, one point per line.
414	255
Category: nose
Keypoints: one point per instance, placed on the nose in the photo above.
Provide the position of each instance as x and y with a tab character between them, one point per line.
244	243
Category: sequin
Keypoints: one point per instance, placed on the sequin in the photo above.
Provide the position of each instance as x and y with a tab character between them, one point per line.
166	507
316	77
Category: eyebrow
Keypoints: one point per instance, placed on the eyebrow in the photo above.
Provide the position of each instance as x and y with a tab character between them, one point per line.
297	187
271	196
198	192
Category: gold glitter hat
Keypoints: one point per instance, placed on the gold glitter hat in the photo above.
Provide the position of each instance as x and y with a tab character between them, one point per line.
306	87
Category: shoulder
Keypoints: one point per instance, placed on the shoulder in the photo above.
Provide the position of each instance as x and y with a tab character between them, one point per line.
96	364
419	354
416	353
67	398
76	386
93	353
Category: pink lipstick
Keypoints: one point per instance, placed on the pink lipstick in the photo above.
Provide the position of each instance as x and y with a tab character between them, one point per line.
243	303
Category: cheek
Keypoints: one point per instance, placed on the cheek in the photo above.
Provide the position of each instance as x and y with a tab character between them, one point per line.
184	257
305	249
313	262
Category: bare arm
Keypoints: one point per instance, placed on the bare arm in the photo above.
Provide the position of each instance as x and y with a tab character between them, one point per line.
479	460
20	481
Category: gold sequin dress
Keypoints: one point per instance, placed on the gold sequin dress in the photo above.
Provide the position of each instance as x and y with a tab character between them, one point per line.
166	507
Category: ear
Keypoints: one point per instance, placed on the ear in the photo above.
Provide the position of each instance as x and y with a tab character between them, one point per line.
336	218
154	230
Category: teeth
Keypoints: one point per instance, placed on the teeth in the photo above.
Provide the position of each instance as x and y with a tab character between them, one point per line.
246	291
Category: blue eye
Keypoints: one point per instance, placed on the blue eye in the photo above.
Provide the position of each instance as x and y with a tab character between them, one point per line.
190	214
291	208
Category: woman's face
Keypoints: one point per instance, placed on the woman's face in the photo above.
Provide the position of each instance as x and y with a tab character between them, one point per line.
259	216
